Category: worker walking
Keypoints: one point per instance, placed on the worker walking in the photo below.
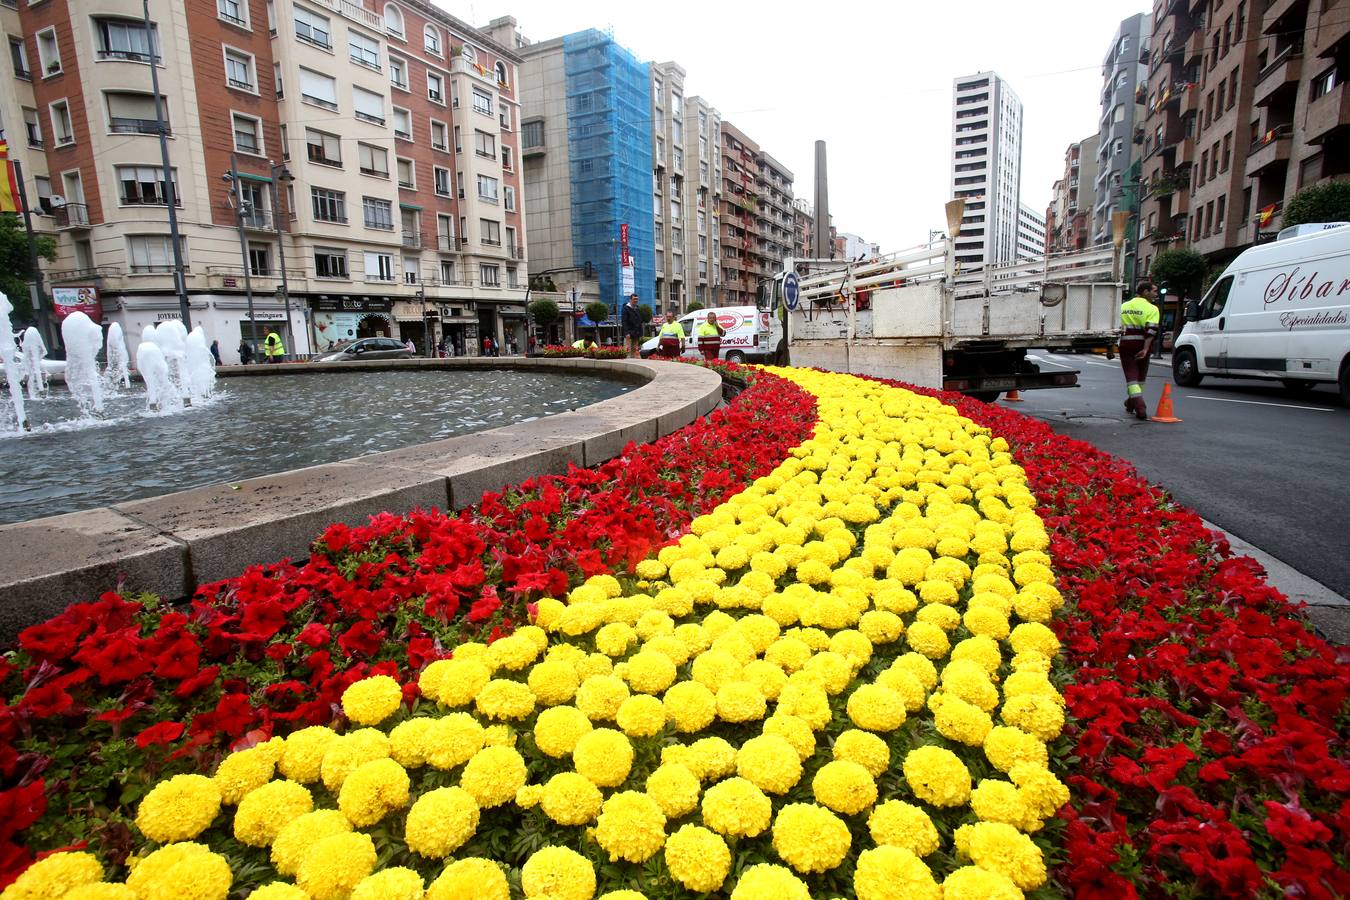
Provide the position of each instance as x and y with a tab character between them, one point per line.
710	335
671	339
273	348
1139	320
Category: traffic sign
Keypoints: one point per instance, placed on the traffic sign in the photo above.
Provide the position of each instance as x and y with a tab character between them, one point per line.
791	290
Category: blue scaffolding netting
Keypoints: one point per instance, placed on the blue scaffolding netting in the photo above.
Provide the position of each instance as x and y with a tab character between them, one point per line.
609	139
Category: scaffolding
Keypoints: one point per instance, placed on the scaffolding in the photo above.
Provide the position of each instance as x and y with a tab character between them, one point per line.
609	138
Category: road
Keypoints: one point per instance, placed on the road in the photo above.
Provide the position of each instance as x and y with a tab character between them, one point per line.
1266	465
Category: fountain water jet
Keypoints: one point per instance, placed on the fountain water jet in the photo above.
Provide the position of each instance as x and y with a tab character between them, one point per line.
200	367
34	351
83	340
9	359
160	392
117	370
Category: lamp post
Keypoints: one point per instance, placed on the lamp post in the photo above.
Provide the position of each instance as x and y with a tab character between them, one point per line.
281	173
241	209
170	188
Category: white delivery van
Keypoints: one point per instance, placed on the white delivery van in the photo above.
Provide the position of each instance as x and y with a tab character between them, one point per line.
1280	311
751	334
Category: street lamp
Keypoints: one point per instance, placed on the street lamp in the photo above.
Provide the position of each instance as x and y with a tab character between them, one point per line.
281	173
242	208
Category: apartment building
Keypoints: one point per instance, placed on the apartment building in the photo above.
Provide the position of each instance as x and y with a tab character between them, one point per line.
1124	72
853	246
1030	232
986	167
376	154
1247	105
759	222
1070	216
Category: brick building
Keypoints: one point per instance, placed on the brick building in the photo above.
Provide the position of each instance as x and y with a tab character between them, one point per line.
759	222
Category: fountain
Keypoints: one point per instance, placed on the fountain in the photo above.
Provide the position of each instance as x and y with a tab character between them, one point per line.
200	374
9	358
118	368
33	353
160	394
171	338
83	340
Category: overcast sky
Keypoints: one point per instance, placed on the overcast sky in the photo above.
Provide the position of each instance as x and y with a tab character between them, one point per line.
873	80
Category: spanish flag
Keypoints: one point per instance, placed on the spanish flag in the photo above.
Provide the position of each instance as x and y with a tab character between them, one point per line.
9	185
1265	215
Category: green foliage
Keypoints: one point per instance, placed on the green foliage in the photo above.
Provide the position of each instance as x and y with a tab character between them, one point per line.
544	312
1326	202
543	283
1183	270
16	270
597	312
694	307
646	312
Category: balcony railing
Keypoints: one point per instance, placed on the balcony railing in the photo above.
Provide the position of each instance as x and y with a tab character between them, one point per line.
155	268
380	278
489	242
516	251
72	215
353	11
88	273
412	240
120	125
316	155
1279	132
319	101
378	225
446	243
257	219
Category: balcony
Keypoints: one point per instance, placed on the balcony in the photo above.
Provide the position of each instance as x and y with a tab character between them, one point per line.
446	243
1278	81
516	251
1328	114
353	11
482	73
1195	48
412	240
258	220
1270	150
1278	10
72	215
119	125
89	275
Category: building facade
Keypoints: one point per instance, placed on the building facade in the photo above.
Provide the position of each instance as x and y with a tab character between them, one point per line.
1069	218
367	152
1120	128
1030	233
854	246
757	217
587	143
986	167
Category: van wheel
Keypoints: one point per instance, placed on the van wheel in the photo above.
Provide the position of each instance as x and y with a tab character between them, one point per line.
1297	385
735	356
1184	370
1345	382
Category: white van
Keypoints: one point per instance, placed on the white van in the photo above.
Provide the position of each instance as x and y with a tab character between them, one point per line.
1280	311
752	334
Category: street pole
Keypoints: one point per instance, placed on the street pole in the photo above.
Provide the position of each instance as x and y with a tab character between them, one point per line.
170	189
243	251
426	322
281	172
35	289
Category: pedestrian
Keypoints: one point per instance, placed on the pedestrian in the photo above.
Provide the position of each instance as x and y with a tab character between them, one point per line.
410	346
273	348
440	348
671	339
512	346
245	354
632	325
496	347
487	346
1139	329
587	343
215	352
710	334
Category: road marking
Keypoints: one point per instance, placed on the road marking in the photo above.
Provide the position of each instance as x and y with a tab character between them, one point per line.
1260	403
1068	362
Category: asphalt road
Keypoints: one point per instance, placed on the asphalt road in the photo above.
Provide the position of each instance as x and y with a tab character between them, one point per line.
1266	465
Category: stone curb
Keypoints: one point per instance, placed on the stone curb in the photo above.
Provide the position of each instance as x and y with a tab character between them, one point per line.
172	543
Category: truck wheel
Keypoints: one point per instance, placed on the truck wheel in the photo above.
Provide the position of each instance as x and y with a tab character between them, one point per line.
1297	385
1184	370
735	356
1345	382
986	396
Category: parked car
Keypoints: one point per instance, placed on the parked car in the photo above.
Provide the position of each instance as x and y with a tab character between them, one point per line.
368	348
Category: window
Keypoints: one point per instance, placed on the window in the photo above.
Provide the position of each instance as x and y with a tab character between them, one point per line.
447	266
62	131
439	138
487	275
703	173
482	102
1216	299
144	186
247	134
679	159
323	148
152	253
508	160
409	270
435	88
1220	208
658	88
393	20
531	135
431	40
239	71
329	206
398	73
33	127
313	28
1325	83
330	263
504	116
442	179
487	188
272	17
44	195
259	258
320	90
509	198
378	213
125	39
368	105
500	70
374	160
405	173
484	144
458	147
379	266
490	232
18	57
402	124
511	240
49	54
233	11
363	50
131	113
276	75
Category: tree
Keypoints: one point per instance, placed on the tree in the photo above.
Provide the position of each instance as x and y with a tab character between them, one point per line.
646	312
1183	270
16	269
543	283
544	312
597	312
694	307
1326	202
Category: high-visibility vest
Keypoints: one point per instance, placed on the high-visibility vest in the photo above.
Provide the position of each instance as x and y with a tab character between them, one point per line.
672	329
583	345
705	329
272	345
1139	318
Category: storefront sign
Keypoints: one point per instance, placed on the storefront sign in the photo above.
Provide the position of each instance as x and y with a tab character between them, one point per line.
67	300
353	304
263	316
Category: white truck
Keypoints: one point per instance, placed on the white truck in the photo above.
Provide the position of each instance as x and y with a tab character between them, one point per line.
917	317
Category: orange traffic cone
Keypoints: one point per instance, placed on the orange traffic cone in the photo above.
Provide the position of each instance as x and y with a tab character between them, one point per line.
1165	407
1013	397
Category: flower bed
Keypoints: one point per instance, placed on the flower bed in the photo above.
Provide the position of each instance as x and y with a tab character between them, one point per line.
556	351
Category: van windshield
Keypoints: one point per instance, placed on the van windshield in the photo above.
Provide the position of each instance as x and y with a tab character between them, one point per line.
1218	298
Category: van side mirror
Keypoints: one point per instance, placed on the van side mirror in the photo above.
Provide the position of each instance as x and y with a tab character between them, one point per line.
1192	310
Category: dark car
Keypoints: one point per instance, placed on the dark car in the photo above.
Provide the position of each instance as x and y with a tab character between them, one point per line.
368	348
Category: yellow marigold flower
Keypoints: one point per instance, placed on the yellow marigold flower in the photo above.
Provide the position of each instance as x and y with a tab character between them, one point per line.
1000	801
297	836
557	730
938	591
907	685
623	895
650	672
103	890
770	763
943	617
1029	573
302	756
493	776
1041	790
275	890
454	682
350	751
921	667
937	776
767	678
766	881
865	749
571	799
615	639
769	564
670	646
452	740
441	821
600	697
893	873
810	838
394	883
653	622
698	858
264	811
499	736
814	638
807	702
650	569
983	650
373	791
558	872
788	653
1006	746
581	618
845	787
967	679
641	716
736	808
502	699
881	627
587	593
690	706
1040	715
631	827
1032	636
529	796
53	876
163	874
1002	848
732	557
835	669
987	621
604	756
178	809
975	883
876	708
481	879
896	599
685	570
1031	682
513	652
740	701
674	788
957	720
928	639
372	700
243	771
795	731
407	742
548	613
899	824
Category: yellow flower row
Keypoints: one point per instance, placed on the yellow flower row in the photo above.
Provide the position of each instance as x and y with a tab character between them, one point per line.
887	581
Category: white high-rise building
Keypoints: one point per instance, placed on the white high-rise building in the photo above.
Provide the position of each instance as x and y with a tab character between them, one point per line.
987	167
1030	232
